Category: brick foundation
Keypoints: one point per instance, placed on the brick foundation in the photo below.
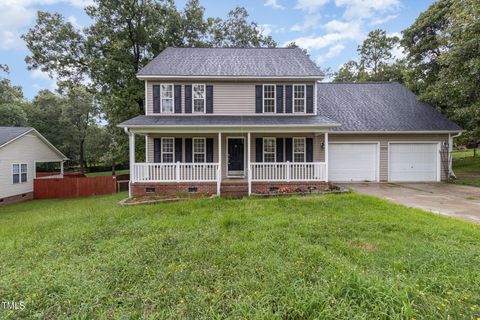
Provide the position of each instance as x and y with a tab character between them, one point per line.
16	198
140	189
288	187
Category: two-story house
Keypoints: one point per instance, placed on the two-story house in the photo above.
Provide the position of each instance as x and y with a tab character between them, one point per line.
231	120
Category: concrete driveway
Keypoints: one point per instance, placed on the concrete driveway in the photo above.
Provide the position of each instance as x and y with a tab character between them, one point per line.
448	199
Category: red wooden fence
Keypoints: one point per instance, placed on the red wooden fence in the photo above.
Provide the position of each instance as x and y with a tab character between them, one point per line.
73	187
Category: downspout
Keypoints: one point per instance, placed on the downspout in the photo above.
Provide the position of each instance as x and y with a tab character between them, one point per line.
450	154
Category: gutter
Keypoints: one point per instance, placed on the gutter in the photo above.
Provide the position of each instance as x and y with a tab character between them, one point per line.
450	154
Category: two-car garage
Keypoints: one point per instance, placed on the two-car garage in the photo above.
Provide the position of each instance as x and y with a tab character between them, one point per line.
400	161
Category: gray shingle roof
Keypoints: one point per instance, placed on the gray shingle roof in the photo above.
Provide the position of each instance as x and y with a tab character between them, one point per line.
9	133
227	121
387	106
236	62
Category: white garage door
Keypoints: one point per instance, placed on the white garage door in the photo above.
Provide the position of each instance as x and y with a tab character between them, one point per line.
353	162
413	162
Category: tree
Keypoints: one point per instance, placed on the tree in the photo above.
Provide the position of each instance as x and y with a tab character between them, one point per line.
12	102
348	72
236	31
444	60
376	50
79	115
12	115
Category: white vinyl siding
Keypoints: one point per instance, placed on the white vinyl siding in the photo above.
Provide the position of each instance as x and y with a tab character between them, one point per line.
269	104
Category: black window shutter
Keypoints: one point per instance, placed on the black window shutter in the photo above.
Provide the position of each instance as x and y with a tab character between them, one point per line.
258	98
279	149
279	99
309	99
288	149
188	150
188	99
178	98
157	150
259	150
209	146
209	99
288	99
178	149
156	98
309	149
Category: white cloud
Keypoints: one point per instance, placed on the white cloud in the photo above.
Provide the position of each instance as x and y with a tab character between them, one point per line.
365	9
266	29
274	4
39	74
311	21
17	15
331	53
310	5
382	20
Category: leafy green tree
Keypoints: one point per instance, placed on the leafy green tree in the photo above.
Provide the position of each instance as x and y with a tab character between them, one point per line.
348	72
376	51
12	115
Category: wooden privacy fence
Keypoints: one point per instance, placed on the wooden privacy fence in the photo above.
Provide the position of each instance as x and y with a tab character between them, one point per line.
73	187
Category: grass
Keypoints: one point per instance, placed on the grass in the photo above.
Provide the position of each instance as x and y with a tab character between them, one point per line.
466	168
107	173
330	257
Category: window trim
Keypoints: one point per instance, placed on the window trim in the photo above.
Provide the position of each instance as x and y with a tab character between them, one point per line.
161	149
20	172
274	149
204	97
304	98
172	98
204	149
304	149
274	98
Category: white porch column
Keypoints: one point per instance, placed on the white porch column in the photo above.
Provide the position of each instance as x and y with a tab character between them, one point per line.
219	171
326	156
131	148
61	168
249	172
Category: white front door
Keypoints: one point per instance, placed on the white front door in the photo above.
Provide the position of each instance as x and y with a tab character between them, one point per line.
414	162
353	161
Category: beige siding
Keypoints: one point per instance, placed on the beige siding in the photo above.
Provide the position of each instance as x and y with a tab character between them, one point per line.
26	149
229	97
384	139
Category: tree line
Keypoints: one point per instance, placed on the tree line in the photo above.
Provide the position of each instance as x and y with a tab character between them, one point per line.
441	63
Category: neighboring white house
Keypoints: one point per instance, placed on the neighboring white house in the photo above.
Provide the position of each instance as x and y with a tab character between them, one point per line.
21	149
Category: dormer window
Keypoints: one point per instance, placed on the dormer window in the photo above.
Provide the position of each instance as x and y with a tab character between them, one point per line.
166	94
199	98
299	98
268	98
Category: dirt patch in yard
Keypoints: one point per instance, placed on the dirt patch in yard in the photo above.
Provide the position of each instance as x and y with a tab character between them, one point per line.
366	246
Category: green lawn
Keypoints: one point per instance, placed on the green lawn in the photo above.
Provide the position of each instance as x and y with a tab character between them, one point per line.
107	173
466	168
330	257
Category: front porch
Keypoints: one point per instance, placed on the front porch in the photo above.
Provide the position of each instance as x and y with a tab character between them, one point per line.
229	162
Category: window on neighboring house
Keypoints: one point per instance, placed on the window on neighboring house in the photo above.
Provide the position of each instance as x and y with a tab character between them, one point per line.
19	173
299	98
199	98
298	149
269	149
166	94
199	146
168	150
268	98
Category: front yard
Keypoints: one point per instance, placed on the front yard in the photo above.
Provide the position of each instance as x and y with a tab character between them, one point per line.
330	257
466	168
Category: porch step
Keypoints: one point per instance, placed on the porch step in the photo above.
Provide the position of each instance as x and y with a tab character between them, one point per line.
234	189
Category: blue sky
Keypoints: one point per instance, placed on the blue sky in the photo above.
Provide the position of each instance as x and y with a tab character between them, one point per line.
330	29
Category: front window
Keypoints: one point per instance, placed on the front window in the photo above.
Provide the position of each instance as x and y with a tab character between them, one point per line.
299	98
166	94
268	98
19	173
168	149
269	149
199	149
299	149
199	98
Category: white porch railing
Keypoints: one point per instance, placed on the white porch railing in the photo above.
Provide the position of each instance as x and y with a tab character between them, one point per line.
175	172
288	171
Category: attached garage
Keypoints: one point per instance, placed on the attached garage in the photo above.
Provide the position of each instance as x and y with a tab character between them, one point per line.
353	161
414	161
